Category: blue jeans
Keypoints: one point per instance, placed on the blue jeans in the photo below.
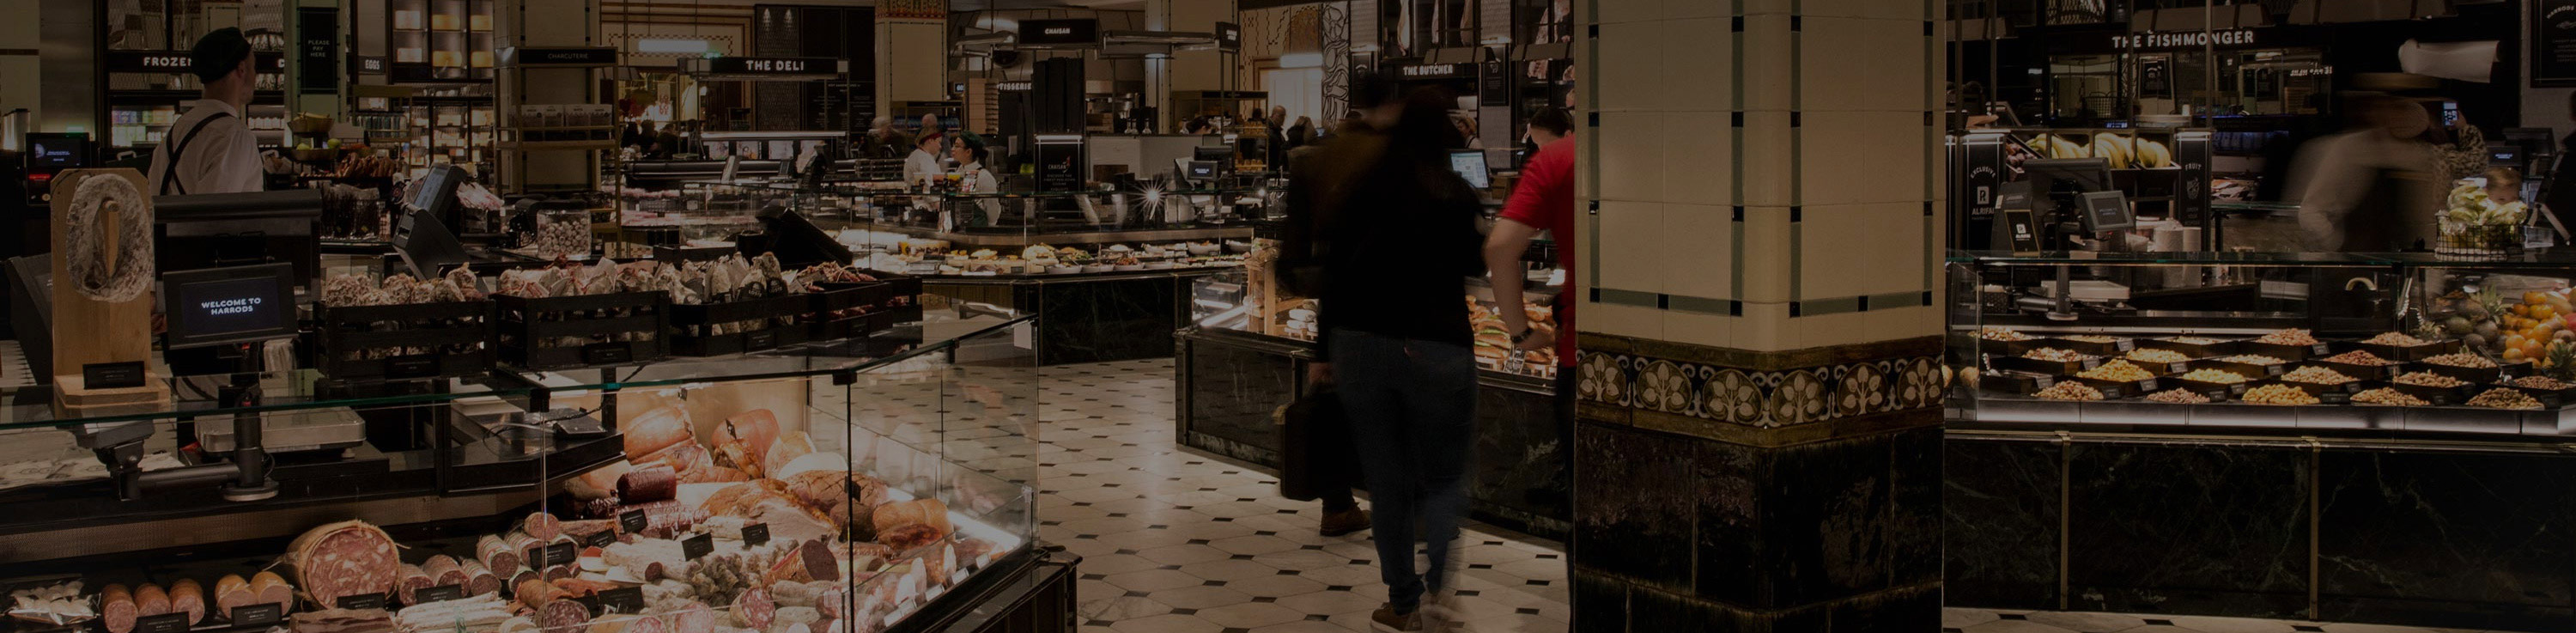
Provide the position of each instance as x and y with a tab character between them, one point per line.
1412	406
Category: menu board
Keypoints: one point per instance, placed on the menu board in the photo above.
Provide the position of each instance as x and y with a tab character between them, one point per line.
2553	43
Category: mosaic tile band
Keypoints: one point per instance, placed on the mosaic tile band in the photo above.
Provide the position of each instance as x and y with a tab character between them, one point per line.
1759	390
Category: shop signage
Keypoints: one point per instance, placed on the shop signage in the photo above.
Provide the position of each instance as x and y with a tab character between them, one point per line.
317	40
1059	32
1012	86
585	56
2553	43
1229	36
177	62
371	65
2184	39
1435	71
1494	87
773	65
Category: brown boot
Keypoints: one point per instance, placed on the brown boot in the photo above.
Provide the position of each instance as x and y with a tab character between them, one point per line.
1386	619
1345	522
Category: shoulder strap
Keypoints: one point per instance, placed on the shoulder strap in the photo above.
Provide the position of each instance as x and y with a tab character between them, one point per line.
170	176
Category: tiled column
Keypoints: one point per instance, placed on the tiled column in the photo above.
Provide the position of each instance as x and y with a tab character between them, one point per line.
912	52
1758	443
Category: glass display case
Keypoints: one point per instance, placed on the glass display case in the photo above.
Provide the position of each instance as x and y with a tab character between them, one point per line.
2315	342
864	485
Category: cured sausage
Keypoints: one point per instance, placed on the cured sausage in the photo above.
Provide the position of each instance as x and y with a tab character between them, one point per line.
696	618
186	596
562	616
648	484
116	608
653	431
408	584
910	536
151	600
342	559
754	609
543	526
444	570
272	589
233	591
480	580
496	554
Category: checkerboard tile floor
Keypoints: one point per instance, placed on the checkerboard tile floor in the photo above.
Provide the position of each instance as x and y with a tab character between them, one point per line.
1176	541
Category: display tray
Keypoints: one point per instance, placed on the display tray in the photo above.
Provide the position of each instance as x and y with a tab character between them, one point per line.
2480	375
694	322
2284	352
2194	350
2114	347
425	340
2407	353
583	331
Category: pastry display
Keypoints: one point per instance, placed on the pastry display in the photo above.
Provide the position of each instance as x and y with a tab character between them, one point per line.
2503	398
2292	336
1992	333
2156	356
2052	354
2219	376
2358	357
2394	339
2471	361
2428	379
2317	376
2253	359
2177	396
2072	391
2117	371
2387	396
2279	395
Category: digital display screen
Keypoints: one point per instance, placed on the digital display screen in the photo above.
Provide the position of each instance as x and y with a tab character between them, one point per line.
230	306
56	151
1470	164
2108	211
1202	169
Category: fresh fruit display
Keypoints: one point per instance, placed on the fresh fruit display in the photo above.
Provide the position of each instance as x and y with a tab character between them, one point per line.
2502	398
2075	391
2252	359
2000	334
2279	395
2527	327
2117	371
2387	396
2156	356
2395	339
2428	379
2055	355
2317	376
2178	396
2358	357
2219	376
2292	336
2471	361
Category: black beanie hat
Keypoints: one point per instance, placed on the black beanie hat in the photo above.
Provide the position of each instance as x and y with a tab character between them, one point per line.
218	53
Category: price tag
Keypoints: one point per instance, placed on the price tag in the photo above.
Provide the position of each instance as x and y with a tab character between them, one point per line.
2147	386
536	558
164	623
2043	382
363	601
622	600
696	546
412	366
560	554
602	538
607	353
257	614
755	534
441	593
2124	345
2178	368
764	339
2320	350
632	521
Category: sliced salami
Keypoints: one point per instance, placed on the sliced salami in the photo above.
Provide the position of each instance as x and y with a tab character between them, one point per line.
560	572
754	610
116	608
562	615
543	526
444	570
480	580
342	559
408	584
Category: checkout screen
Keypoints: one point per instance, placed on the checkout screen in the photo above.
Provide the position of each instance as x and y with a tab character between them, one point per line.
230	306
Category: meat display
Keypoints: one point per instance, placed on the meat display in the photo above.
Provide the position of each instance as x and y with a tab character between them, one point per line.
657	482
150	600
116	608
272	588
341	559
186	596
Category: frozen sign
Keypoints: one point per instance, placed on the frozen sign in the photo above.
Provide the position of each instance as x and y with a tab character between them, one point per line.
2184	39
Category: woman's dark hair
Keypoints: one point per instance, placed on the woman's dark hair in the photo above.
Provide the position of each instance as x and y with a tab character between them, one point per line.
975	147
1423	129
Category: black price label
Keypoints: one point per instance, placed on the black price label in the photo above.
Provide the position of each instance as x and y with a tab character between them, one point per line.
536	558
441	593
2319	349
602	538
622	600
363	601
632	521
413	366
560	554
164	623
123	375
755	534
697	546
258	614
607	353
764	339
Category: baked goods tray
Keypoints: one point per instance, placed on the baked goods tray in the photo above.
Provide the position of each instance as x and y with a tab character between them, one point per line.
1997	409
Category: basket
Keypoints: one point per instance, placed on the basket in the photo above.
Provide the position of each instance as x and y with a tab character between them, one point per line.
765	333
366	342
584	331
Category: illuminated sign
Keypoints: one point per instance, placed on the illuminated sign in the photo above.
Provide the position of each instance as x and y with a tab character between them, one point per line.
2184	39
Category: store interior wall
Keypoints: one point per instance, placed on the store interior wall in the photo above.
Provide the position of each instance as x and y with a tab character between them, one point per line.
2545	107
69	76
20	83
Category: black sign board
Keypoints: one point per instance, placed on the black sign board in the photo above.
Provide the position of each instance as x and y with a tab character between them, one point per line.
441	593
607	353
2155	78
317	42
570	57
176	62
374	65
2553	43
113	375
536	558
363	601
602	538
258	614
1418	72
560	554
1494	85
164	623
773	65
633	521
756	534
622	600
1060	165
1229	36
1083	32
693	547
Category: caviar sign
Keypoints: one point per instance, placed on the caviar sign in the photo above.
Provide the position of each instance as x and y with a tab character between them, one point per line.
2183	39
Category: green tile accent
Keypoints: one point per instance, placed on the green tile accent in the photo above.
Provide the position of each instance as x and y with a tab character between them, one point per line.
1701	305
1735	246
1895	300
1818	307
1631	298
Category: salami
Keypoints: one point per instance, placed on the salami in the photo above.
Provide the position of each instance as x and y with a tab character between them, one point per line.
831	600
272	589
151	600
910	536
116	608
696	618
667	519
233	591
497	554
543	526
479	580
186	596
648	484
343	559
410	581
559	572
754	610
562	616
520	580
534	593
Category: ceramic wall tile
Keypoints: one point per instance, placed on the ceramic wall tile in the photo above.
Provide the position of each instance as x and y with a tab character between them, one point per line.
1631	244
1698	71
1766	254
1769	58
1851	157
1623	320
1632	155
1699	158
1712	330
1697	251
1917	10
1860	249
1617	11
1760	399
1769	146
1883	72
1766	328
1631	67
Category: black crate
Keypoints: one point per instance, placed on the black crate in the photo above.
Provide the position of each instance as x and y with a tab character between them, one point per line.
2365	372
2114	390
618	329
2016	383
827	324
2435	395
345	331
2321	389
2472	374
2037	366
2248	370
2551	398
2194	350
2217	391
767	333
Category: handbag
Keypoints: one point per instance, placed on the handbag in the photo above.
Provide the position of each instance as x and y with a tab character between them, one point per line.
1315	453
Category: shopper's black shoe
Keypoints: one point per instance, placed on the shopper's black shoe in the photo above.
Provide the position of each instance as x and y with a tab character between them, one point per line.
1345	522
1386	619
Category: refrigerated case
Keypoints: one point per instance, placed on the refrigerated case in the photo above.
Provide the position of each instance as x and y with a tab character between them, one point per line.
897	472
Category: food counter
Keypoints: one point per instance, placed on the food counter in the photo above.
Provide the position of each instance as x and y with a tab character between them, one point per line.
2323	437
1244	355
819	487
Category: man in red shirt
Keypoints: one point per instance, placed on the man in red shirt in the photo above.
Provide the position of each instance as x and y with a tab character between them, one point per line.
1544	200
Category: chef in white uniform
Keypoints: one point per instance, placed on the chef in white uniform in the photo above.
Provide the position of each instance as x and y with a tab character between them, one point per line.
210	148
970	154
923	164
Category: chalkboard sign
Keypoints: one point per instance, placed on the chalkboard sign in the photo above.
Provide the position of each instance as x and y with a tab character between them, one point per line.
2553	43
258	614
363	601
622	600
164	623
1494	84
441	593
560	554
632	521
600	538
697	546
756	534
1067	32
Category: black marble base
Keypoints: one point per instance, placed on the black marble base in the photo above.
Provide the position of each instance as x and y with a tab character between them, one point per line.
2001	512
1105	320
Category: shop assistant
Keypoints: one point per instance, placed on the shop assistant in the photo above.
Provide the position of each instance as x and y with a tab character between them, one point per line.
210	148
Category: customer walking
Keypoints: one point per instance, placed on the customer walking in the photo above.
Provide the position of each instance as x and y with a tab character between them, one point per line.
1396	252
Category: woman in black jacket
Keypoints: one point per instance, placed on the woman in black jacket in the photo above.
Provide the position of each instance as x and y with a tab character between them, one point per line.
1395	244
